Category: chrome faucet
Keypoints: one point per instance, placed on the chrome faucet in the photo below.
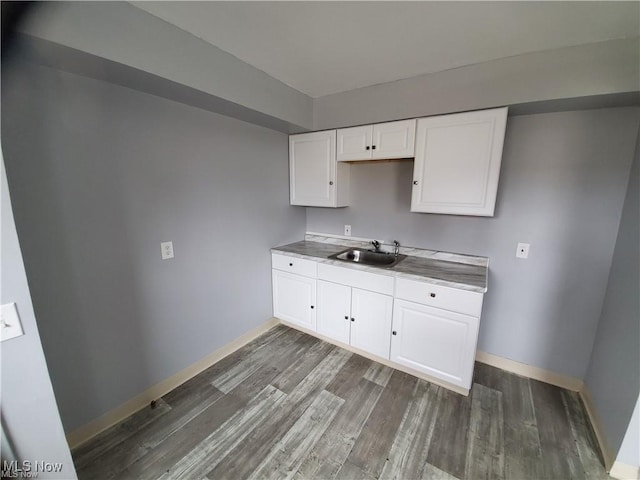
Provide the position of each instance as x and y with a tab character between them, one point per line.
396	248
376	245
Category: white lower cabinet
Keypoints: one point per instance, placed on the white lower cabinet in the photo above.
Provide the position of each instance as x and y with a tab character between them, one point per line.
429	329
294	298
294	290
437	342
356	317
334	311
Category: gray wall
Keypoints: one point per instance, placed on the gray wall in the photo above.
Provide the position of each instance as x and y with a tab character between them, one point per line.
133	39
605	68
629	452
106	31
613	378
562	188
101	175
29	411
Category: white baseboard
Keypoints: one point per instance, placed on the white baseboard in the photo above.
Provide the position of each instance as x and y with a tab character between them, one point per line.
91	429
529	371
607	451
622	471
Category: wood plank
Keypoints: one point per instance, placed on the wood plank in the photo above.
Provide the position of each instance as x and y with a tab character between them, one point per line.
215	446
88	453
266	340
560	457
349	471
233	377
378	373
485	449
245	458
408	456
236	400
285	457
490	377
431	472
349	376
294	351
521	440
255	383
152	435
584	437
523	457
181	414
161	458
327	456
300	368
448	447
384	429
280	347
374	442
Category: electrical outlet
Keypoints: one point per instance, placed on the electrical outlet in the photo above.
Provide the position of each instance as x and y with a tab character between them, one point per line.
523	250
167	250
10	326
347	230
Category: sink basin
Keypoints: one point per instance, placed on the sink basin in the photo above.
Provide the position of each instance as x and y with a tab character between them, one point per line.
368	257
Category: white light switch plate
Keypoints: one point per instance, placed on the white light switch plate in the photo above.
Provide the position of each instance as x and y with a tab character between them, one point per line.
10	326
347	230
167	250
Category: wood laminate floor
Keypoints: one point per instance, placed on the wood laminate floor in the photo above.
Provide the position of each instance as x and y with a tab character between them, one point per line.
288	405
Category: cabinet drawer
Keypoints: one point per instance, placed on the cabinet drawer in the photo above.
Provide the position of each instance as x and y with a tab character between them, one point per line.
447	298
356	278
300	266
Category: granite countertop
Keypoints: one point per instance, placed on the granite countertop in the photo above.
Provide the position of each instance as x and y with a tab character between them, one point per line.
457	271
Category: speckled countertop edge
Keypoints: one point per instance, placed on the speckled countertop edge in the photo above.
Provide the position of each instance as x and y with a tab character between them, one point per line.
471	275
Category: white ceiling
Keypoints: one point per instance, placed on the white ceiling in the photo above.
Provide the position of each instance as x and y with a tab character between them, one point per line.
321	48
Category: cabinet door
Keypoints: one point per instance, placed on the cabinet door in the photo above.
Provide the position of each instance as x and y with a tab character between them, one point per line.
334	310
312	169
294	298
434	341
371	321
394	139
354	143
457	163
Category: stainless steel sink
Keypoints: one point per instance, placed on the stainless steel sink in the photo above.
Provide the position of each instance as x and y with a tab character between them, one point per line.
368	257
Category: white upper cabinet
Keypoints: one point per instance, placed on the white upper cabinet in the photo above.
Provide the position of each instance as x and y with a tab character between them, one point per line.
379	141
354	143
394	139
315	178
457	163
